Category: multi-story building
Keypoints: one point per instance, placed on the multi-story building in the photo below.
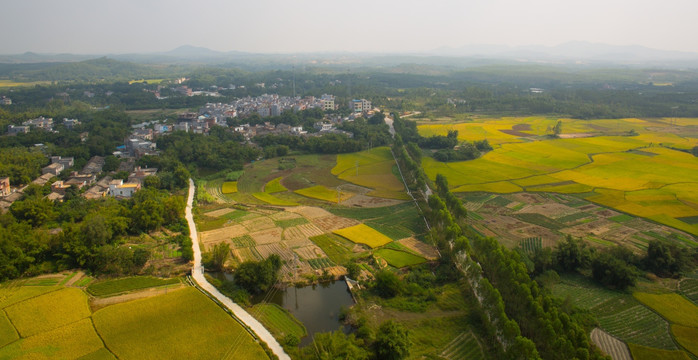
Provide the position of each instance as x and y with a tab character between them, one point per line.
70	123
53	169
361	105
41	123
67	162
17	129
327	102
117	188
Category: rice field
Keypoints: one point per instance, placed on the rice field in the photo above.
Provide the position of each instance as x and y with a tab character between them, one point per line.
321	192
686	337
398	259
71	341
7	331
634	323
640	352
274	186
55	309
372	169
338	249
180	324
229	187
638	175
273	200
672	307
362	234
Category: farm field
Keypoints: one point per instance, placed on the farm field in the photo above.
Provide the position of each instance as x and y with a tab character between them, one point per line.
157	328
464	346
611	346
398	259
672	307
686	337
323	193
229	187
640	175
274	186
113	287
362	234
42	322
520	220
278	320
372	169
646	353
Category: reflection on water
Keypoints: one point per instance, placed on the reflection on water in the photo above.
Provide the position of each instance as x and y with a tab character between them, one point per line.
316	306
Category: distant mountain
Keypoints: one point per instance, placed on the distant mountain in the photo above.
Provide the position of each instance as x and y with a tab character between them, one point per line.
88	70
30	58
572	52
189	51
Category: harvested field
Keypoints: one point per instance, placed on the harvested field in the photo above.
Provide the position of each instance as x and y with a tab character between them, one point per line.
611	346
284	215
219	212
425	250
248	253
259	223
309	212
267	236
310	252
275	248
212	237
297	243
331	223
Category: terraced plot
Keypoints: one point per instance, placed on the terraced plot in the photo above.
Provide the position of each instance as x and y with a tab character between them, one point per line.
70	341
638	325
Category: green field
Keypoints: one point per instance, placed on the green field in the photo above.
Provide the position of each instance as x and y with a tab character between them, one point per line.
338	249
584	293
290	222
372	169
397	221
278	321
686	337
273	200
646	353
362	234
182	324
464	346
117	286
274	186
324	193
431	336
229	187
398	259
531	245
672	307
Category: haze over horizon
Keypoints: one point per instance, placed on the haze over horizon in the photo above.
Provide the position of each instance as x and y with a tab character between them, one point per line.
273	26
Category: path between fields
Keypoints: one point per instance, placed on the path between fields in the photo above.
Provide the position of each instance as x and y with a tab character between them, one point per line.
239	312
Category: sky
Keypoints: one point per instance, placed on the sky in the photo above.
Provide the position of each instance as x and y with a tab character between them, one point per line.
297	26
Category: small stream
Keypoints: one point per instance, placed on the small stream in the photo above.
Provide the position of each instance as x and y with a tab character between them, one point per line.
316	306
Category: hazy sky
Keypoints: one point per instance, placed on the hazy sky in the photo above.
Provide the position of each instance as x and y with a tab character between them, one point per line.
123	26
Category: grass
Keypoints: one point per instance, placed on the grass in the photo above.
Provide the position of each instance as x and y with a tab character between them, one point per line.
279	321
273	200
362	234
8	333
290	222
117	286
183	324
686	337
672	307
640	352
324	193
229	187
464	346
274	186
432	335
71	341
48	311
338	249
399	259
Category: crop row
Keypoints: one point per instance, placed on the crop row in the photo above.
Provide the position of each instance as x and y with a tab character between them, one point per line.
464	346
320	263
639	325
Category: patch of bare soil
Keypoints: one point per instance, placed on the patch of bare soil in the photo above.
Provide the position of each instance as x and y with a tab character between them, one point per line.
425	250
575	136
98	303
219	213
332	222
310	212
75	278
369	201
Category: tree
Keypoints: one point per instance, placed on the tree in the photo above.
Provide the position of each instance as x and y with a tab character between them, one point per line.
387	284
335	345
612	271
694	151
353	270
572	254
392	341
219	255
557	129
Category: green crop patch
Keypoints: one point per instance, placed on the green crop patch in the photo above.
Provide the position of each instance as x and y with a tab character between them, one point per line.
464	346
621	218
55	309
689	288
338	249
279	321
117	286
183	324
531	245
692	220
540	220
398	259
243	241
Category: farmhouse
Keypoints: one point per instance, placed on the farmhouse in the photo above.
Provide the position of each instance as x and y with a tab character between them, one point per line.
53	169
119	189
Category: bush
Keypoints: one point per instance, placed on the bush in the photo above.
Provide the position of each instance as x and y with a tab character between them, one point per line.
387	284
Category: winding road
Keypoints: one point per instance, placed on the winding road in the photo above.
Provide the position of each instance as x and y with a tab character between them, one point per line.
239	312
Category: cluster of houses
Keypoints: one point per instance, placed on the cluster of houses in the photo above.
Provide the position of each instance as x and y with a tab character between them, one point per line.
41	122
267	105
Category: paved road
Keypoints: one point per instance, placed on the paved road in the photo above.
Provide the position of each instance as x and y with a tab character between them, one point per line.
240	313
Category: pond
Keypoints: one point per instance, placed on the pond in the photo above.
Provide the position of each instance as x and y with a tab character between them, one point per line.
316	306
